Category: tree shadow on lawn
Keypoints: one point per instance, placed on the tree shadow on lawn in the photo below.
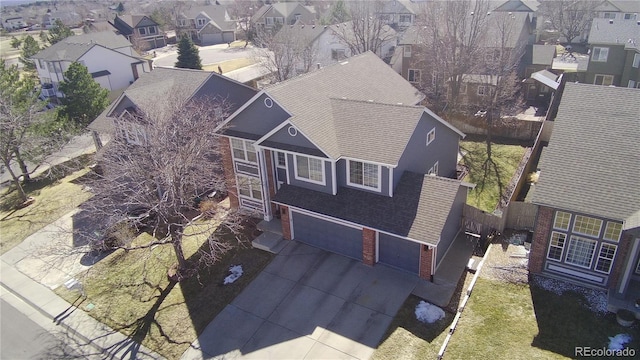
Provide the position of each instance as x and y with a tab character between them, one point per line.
180	311
566	322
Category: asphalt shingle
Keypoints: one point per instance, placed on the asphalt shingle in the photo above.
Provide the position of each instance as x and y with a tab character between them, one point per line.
621	32
592	161
73	47
418	209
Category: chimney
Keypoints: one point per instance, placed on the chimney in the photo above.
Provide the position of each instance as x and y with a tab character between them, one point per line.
318	65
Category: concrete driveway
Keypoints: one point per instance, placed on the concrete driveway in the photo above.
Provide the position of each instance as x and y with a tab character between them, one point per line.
307	304
208	54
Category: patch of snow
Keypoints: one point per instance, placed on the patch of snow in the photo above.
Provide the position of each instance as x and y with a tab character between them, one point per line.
428	313
596	299
517	239
619	341
236	272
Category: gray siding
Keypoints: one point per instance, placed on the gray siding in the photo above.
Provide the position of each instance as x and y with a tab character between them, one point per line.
328	177
613	66
122	105
629	73
452	225
419	158
341	169
258	119
220	89
298	143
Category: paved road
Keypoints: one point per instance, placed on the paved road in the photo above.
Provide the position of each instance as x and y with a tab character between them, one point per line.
22	338
208	54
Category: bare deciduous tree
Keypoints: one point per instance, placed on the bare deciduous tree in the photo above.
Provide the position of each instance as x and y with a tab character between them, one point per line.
285	53
571	18
175	159
366	31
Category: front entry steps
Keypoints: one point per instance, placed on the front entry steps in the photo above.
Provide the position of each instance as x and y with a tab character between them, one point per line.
271	238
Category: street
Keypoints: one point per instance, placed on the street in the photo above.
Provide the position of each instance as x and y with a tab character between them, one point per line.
22	338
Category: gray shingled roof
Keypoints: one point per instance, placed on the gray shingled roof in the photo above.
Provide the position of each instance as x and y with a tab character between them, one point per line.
180	84
388	129
592	161
543	54
73	47
629	6
214	12
418	209
623	32
363	77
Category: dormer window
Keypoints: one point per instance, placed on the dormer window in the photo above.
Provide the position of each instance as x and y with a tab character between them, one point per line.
363	175
201	22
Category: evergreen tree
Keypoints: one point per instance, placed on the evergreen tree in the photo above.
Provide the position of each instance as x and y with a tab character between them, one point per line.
83	99
188	54
120	8
30	47
15	42
59	32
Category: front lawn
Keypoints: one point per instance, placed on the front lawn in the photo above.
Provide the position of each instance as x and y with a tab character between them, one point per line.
54	198
487	192
130	292
229	65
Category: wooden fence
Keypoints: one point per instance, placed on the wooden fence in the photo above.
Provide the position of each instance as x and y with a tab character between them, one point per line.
517	215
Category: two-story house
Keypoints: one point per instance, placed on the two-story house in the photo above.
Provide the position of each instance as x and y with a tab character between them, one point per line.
329	44
614	53
182	84
618	10
14	23
207	24
283	13
588	193
109	58
71	19
140	29
350	163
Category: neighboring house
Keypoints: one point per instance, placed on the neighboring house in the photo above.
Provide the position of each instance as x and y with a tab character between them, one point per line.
140	30
182	84
538	58
508	32
330	43
529	6
109	58
398	14
283	13
355	166
588	223
618	10
70	19
207	24
614	53
14	23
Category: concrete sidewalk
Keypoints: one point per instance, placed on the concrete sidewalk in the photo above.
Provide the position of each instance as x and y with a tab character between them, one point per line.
46	260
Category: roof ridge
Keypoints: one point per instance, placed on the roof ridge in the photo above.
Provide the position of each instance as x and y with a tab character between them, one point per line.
401	105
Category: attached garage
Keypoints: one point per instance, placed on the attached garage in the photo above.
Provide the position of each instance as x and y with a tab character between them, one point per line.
399	253
228	36
327	235
210	39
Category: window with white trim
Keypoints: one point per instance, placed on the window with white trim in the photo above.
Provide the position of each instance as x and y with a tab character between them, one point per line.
279	20
605	258
407	50
580	251
482	90
405	19
587	226
152	30
414	76
556	246
362	174
269	21
201	22
431	135
243	150
434	169
281	159
632	84
599	54
338	54
636	61
249	186
604	80
629	16
612	231
142	31
562	220
309	169
182	22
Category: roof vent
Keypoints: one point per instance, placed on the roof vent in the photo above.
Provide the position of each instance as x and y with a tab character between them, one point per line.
610	21
638	22
313	27
302	26
370	100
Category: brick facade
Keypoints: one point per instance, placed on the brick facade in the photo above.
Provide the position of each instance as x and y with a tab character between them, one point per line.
426	262
540	241
270	179
229	173
368	246
620	262
284	219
